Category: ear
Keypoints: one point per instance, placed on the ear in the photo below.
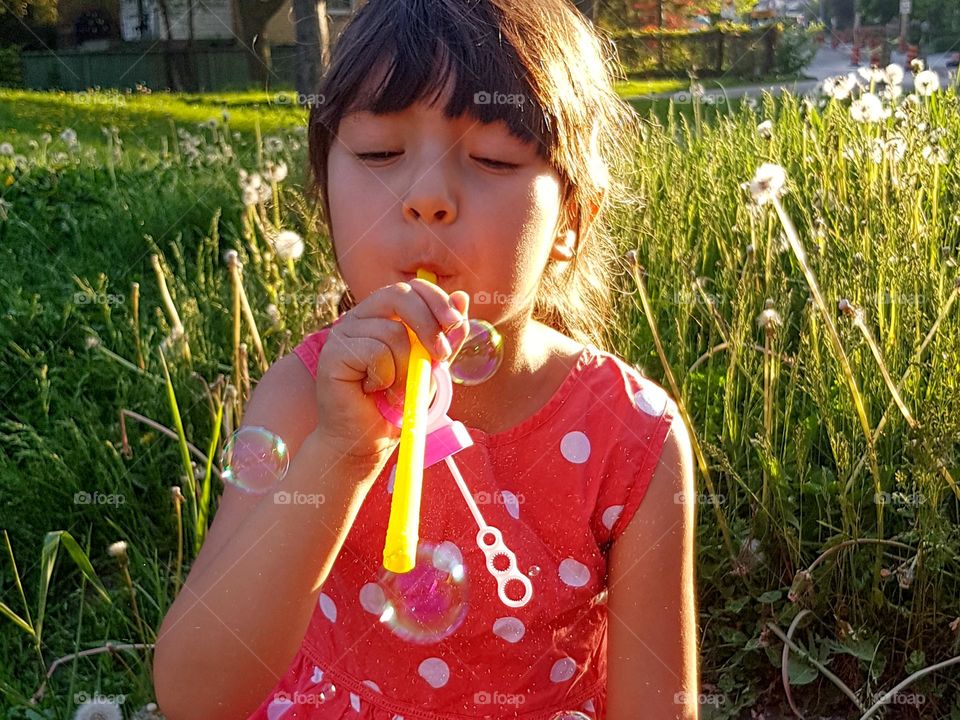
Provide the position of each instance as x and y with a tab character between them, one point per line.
565	245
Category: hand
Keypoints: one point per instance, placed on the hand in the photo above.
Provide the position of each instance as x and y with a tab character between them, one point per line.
368	350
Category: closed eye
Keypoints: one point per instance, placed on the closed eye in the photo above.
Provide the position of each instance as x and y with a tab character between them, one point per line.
497	164
386	155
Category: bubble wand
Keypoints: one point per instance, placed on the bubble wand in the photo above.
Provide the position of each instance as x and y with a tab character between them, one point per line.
403	529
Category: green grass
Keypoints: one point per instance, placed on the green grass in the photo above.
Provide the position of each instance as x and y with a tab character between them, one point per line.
653	86
780	439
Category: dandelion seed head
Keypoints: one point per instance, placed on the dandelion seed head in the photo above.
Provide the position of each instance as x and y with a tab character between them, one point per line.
893	74
6	149
926	83
118	549
276	172
765	129
231	257
98	709
768	183
91	342
869	108
288	245
916	66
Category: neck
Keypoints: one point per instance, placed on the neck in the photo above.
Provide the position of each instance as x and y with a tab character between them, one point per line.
526	349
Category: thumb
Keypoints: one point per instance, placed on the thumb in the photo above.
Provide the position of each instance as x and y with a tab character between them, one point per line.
461	301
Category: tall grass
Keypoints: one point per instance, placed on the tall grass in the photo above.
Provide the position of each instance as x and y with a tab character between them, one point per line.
812	343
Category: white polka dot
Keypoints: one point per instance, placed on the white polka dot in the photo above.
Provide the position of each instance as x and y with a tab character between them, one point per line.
328	607
355	702
574	573
588	706
563	670
575	447
611	515
435	671
372	598
278	707
652	399
511	503
317	675
447	556
392	479
372	685
509	628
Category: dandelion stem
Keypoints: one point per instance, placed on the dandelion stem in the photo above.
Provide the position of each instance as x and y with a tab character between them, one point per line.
135	296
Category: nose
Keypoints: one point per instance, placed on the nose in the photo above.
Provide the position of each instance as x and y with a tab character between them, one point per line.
429	199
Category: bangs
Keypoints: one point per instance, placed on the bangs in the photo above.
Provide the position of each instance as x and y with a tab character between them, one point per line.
385	67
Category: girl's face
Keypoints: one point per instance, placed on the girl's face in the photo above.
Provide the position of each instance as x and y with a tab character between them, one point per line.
469	201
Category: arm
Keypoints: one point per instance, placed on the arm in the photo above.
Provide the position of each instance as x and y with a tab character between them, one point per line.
652	641
242	612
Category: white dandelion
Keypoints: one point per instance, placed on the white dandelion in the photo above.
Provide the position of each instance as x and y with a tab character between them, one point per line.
935	155
927	83
765	129
869	108
893	74
98	709
768	183
288	245
916	66
276	172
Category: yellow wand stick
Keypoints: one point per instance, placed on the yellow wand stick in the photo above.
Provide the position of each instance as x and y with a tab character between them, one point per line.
403	529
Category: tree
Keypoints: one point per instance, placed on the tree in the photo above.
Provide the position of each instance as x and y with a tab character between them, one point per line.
313	45
43	12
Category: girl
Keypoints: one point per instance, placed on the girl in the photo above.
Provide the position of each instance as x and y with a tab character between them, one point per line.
472	139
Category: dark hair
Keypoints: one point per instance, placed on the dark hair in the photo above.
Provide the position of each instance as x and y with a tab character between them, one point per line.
541	50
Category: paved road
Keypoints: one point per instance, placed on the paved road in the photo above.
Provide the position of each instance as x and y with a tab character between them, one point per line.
827	63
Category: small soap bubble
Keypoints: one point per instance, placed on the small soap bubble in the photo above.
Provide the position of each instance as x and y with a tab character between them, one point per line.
571	715
533	571
254	459
479	356
428	603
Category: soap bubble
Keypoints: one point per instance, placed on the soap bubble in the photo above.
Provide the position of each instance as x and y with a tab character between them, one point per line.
428	603
533	571
254	459
479	356
570	715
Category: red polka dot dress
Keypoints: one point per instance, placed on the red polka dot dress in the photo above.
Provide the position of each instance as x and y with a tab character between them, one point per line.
560	486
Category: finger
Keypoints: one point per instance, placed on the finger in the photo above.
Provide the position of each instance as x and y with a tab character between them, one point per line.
391	333
366	360
402	302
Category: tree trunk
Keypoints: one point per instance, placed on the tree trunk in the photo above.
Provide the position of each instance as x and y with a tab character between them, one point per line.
313	47
251	16
169	63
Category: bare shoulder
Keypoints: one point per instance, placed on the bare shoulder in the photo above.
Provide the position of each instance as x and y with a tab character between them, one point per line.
283	402
665	516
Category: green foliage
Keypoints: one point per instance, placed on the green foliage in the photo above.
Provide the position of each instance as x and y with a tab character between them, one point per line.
796	48
11	71
794	488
